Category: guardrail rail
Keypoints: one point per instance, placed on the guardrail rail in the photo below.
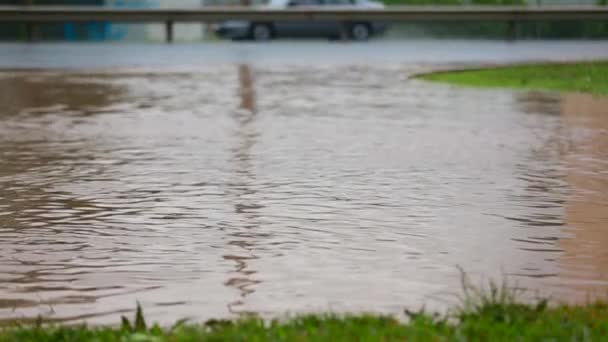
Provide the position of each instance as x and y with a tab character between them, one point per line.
29	15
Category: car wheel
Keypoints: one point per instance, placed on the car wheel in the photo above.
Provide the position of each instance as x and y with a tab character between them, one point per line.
261	32
360	32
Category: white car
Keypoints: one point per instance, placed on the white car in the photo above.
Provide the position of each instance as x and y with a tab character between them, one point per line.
360	30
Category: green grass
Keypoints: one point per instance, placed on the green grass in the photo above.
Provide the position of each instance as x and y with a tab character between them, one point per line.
584	77
491	322
494	316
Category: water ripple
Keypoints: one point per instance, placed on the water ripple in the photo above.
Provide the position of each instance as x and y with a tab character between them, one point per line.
240	189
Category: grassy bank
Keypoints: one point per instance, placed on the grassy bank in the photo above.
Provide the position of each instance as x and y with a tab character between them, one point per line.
585	77
488	320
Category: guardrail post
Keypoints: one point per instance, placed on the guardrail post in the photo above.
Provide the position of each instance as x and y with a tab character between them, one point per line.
169	31
344	31
29	31
511	30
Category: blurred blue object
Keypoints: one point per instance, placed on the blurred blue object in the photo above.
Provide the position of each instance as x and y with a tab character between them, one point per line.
122	31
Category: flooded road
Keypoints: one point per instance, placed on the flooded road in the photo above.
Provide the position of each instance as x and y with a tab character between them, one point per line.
291	184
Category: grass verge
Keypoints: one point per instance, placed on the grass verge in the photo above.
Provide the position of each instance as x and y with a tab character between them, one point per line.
584	77
493	317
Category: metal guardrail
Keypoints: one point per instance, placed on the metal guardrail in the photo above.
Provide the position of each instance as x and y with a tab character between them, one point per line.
35	14
210	14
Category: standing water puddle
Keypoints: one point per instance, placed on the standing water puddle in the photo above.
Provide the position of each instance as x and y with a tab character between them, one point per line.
234	189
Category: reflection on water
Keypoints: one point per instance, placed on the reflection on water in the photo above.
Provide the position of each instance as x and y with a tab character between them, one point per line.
48	94
240	189
242	194
585	248
570	192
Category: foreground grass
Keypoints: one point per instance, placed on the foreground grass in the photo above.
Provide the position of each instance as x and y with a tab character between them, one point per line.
487	320
585	77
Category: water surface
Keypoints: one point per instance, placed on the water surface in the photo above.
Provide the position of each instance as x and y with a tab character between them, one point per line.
241	186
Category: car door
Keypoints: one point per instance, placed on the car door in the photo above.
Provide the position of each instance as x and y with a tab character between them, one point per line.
300	28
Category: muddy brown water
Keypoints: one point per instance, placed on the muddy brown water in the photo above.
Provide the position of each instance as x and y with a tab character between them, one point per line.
235	188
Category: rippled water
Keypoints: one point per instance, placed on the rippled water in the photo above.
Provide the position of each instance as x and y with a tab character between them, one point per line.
234	188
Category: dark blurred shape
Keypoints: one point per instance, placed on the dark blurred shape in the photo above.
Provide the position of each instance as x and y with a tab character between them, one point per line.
20	94
538	102
360	30
54	31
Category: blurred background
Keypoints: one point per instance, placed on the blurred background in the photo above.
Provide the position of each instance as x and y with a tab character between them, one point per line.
105	31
